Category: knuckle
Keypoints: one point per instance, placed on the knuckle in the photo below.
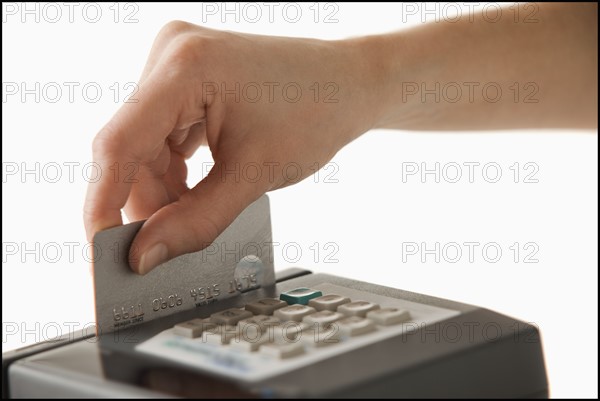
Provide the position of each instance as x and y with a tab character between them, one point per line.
90	212
206	231
100	145
174	28
104	144
111	141
203	225
188	48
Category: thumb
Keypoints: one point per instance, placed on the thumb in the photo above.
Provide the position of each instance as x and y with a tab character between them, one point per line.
194	221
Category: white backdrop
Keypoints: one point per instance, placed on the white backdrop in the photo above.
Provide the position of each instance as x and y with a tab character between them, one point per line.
364	217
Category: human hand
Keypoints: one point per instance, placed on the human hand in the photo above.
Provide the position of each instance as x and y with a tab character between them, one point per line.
260	103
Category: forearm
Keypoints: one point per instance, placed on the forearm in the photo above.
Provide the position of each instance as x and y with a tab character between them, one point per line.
474	75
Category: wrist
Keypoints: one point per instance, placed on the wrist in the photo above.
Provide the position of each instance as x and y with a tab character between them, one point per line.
375	77
366	80
385	61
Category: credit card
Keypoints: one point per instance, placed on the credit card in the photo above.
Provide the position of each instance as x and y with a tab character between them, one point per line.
239	260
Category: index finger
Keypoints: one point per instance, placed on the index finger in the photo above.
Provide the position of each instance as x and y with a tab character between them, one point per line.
135	135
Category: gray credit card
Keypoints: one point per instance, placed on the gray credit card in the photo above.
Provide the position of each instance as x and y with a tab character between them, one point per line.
240	259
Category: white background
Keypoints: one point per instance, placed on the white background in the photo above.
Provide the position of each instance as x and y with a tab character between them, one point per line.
364	215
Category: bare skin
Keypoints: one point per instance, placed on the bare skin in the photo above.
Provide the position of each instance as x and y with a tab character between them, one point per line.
187	99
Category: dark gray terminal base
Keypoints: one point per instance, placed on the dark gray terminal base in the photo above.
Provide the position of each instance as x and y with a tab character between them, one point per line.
496	356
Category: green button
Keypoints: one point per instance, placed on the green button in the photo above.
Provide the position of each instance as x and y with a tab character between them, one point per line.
300	296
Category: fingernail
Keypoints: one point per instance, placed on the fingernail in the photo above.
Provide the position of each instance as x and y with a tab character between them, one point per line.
153	257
